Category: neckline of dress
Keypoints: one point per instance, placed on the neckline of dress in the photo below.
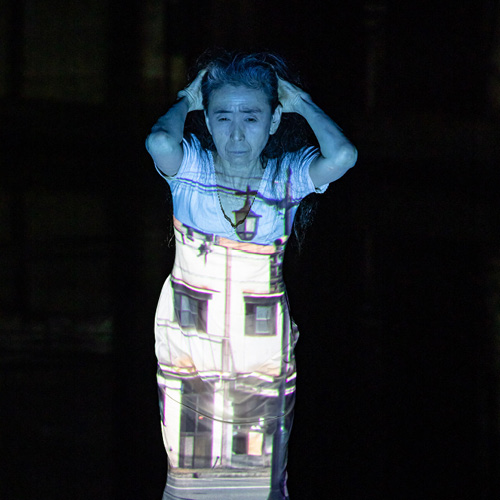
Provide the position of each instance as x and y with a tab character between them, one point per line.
216	196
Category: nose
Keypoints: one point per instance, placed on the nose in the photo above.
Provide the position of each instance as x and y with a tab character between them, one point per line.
237	133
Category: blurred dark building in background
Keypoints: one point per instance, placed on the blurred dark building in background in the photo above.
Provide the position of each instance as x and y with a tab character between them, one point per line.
397	292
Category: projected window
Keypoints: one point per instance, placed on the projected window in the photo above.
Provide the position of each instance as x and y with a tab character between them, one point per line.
190	307
196	434
260	315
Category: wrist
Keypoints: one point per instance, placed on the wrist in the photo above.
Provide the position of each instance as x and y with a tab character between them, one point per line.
185	97
302	103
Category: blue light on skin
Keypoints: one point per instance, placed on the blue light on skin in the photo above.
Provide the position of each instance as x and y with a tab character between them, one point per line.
240	121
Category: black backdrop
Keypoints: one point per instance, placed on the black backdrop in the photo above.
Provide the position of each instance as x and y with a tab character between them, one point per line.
395	291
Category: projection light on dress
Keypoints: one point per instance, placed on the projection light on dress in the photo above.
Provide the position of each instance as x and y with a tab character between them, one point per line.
247	220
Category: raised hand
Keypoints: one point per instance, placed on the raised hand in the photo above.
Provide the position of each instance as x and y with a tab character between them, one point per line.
192	92
291	97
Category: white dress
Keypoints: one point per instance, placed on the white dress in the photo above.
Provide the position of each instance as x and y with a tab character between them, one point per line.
224	336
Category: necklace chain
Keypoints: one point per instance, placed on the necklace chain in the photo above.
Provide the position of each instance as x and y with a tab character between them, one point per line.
233	225
228	218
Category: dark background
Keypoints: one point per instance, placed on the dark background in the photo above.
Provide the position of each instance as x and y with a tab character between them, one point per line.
396	292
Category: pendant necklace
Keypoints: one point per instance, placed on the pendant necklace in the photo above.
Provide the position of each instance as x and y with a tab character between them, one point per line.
246	207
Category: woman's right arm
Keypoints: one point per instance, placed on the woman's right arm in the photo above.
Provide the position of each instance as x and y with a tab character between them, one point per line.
164	143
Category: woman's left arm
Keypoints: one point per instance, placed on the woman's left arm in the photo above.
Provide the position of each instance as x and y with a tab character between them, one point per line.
338	155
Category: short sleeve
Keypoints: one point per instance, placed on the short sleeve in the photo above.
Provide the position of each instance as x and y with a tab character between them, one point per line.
191	149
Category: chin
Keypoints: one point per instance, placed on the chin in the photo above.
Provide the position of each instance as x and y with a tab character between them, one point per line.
243	158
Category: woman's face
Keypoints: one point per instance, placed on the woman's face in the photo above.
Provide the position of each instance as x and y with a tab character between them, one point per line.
240	122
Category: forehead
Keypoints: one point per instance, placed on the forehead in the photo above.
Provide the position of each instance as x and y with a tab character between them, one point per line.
230	98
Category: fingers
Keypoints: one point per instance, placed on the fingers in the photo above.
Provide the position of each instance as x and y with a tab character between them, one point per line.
289	95
290	87
202	72
193	92
195	85
199	76
188	94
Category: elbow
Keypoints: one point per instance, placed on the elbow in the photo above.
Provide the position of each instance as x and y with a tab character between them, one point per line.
347	157
158	142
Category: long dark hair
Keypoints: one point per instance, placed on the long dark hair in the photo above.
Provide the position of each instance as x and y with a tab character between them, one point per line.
260	71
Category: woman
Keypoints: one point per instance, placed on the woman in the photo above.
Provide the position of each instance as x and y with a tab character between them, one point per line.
224	336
